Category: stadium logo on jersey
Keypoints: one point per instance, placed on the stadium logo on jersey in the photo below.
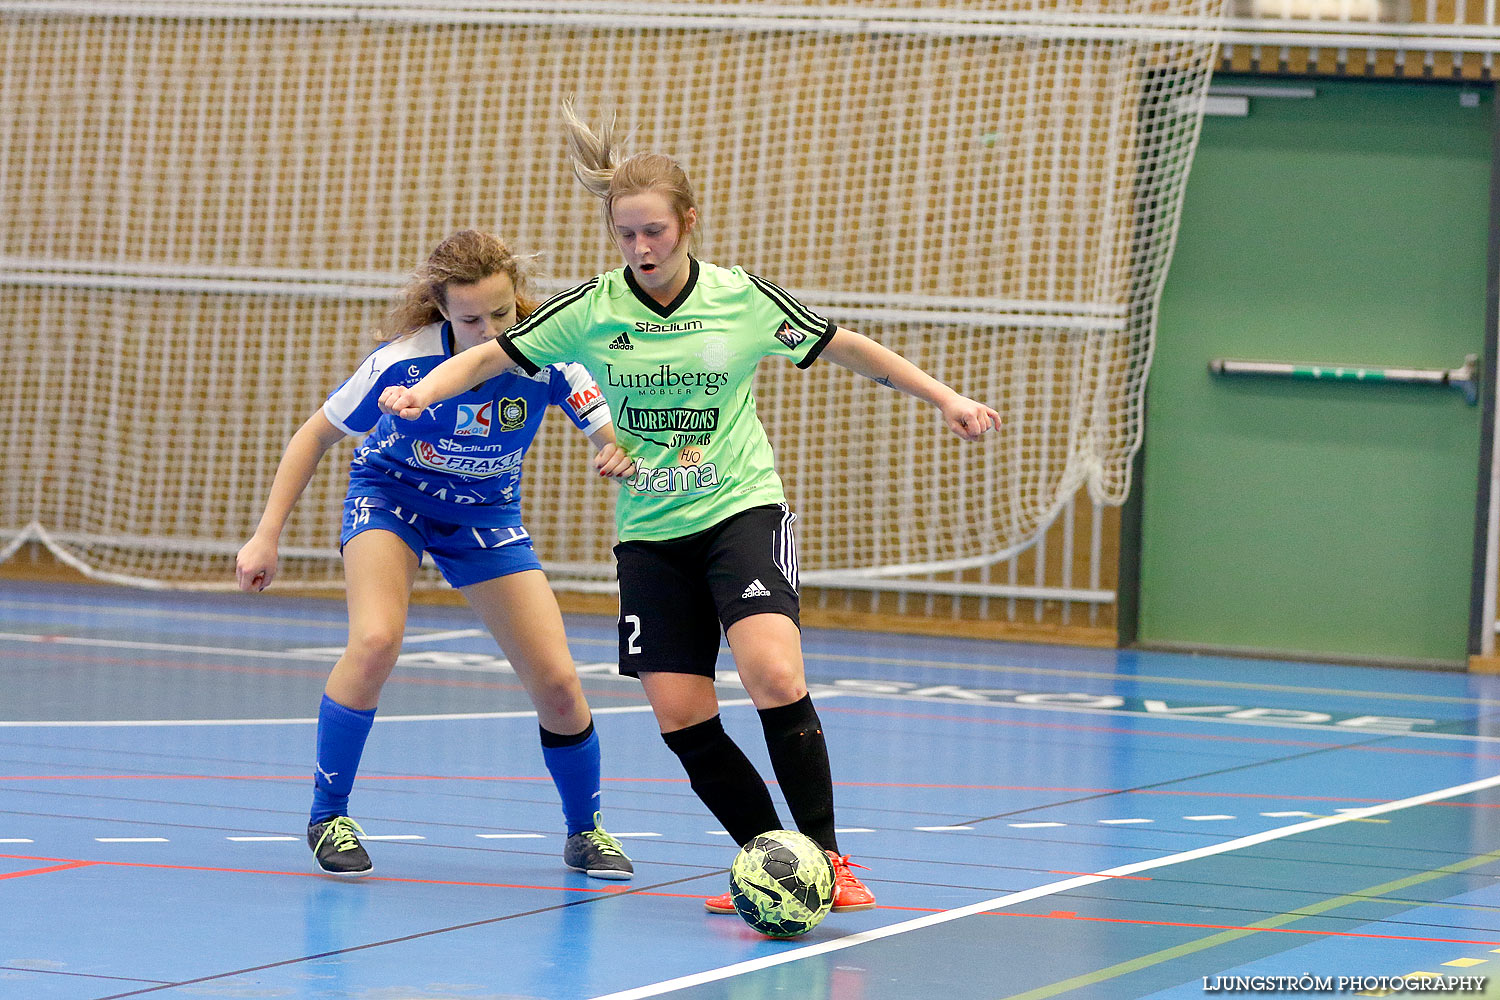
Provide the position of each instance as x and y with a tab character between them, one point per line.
512	414
429	456
621	343
677	479
586	401
647	327
681	425
474	420
788	336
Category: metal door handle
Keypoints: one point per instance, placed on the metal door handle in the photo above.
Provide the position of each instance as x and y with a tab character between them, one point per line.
1465	378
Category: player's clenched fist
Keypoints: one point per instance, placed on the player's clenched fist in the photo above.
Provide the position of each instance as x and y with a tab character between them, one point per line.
401	401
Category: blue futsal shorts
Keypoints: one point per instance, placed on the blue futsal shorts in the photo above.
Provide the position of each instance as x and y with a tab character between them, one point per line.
464	555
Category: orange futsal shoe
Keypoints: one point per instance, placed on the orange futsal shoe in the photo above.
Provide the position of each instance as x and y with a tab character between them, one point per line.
849	893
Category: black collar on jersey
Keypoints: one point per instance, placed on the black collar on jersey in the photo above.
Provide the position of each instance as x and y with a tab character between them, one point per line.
655	306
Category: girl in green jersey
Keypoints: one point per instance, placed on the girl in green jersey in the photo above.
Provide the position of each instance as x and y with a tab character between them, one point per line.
705	533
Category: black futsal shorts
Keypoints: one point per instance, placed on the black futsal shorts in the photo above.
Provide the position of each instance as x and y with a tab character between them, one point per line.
676	595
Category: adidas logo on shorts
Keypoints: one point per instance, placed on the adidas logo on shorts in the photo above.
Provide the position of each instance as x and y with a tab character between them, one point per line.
756	589
621	343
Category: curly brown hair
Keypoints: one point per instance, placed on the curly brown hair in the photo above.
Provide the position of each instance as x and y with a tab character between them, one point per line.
465	258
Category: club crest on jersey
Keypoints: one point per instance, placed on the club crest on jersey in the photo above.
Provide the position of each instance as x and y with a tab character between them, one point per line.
474	420
512	414
788	336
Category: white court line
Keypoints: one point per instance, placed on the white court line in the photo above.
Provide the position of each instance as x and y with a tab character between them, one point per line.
1051	889
260	840
457	716
729	679
510	836
458	633
160	647
179	614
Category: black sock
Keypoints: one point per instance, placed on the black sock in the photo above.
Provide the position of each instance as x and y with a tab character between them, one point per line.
724	779
799	754
551	739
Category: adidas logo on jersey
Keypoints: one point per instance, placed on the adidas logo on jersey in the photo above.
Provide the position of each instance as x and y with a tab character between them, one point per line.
756	589
621	343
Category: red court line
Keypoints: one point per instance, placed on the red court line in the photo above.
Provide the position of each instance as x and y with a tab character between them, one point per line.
1056	915
1272	796
43	871
265	777
65	863
1070	915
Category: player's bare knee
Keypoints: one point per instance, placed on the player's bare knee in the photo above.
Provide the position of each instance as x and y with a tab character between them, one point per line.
772	684
374	651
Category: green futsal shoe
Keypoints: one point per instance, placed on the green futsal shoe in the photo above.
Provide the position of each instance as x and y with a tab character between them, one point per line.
597	853
335	844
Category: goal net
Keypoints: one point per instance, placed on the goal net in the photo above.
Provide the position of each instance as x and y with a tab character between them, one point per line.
207	207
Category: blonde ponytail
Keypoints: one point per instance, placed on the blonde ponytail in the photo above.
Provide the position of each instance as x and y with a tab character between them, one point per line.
593	154
597	164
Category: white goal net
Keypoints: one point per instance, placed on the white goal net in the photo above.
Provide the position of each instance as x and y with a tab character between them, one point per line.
206	207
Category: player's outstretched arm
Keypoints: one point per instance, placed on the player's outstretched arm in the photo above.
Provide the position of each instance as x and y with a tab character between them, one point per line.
255	566
460	372
863	356
610	459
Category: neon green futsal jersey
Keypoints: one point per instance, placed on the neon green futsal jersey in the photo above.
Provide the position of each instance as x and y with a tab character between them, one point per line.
677	379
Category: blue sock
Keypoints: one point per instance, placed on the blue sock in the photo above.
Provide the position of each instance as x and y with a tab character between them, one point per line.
341	742
573	762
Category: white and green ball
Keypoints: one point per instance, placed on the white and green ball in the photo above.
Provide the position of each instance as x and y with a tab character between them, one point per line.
782	883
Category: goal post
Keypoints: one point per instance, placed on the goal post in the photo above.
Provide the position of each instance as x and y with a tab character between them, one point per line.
208	206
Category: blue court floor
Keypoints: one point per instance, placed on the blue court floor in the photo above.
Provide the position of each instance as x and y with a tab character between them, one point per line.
1035	821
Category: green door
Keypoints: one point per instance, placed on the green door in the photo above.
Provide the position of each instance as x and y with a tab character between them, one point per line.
1327	518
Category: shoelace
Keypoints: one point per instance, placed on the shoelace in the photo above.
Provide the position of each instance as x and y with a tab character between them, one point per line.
841	866
604	841
344	832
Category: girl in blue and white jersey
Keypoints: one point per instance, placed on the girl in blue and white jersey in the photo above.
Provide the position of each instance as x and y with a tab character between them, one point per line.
447	484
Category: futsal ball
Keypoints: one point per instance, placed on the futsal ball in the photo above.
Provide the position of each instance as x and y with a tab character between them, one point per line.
782	883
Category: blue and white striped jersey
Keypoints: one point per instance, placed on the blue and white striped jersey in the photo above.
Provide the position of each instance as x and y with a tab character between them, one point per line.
460	461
